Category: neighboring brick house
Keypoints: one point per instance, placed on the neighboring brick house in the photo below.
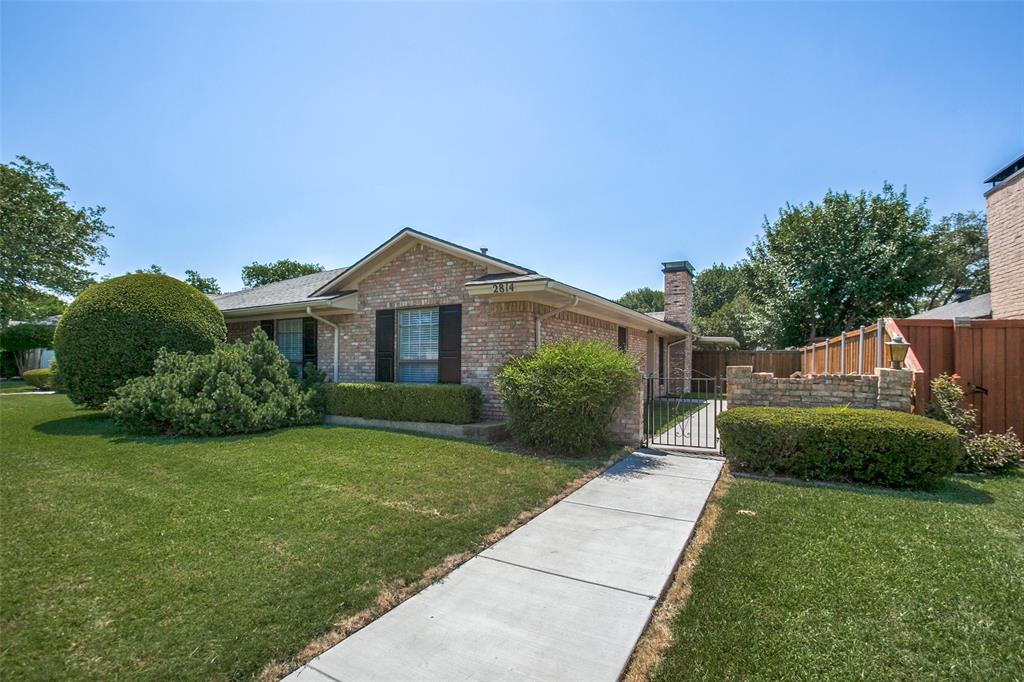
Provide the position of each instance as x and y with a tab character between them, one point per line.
420	309
1005	204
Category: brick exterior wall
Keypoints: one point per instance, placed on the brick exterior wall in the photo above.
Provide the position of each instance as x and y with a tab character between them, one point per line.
492	333
887	389
1005	204
241	330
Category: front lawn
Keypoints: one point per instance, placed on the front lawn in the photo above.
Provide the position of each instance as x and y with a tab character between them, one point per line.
15	386
160	558
846	583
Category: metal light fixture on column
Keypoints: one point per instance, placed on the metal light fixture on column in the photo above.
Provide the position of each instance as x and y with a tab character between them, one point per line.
897	351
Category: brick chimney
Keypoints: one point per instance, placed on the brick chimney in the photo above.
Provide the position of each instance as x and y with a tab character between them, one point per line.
678	292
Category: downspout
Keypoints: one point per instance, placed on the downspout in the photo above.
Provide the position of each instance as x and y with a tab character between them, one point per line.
309	311
668	358
551	313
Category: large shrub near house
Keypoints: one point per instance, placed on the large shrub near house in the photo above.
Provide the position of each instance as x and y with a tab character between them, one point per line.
112	332
446	403
238	388
880	447
563	396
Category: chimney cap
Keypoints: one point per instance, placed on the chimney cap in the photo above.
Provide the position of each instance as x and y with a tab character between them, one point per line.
677	266
961	294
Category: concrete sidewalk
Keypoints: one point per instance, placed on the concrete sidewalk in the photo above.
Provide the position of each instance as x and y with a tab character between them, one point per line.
565	597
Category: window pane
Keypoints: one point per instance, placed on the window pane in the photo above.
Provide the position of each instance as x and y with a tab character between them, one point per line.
417	372
289	339
417	334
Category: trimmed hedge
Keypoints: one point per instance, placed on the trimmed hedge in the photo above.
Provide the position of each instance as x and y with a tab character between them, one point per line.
112	332
40	378
446	403
879	447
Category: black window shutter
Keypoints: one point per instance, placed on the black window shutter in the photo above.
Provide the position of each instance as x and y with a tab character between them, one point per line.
268	328
449	344
385	351
623	339
308	341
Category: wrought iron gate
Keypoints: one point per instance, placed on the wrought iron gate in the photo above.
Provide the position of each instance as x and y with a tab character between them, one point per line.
682	411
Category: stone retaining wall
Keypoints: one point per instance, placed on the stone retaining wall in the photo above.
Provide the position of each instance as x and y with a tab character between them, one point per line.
887	389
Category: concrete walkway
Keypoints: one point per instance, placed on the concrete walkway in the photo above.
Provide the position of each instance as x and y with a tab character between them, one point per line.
698	430
565	597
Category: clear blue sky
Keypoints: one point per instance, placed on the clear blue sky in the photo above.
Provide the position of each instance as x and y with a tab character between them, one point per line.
588	141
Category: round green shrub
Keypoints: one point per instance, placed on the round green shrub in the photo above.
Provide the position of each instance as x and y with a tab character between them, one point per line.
880	447
112	332
563	397
40	378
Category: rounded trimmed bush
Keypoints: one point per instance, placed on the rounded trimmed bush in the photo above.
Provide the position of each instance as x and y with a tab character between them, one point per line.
563	397
40	378
112	332
880	447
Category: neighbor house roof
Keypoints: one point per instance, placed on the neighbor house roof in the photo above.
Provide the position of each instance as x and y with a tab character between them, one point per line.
975	308
295	290
1009	169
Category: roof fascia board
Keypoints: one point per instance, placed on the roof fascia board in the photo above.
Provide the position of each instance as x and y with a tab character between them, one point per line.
408	233
641	320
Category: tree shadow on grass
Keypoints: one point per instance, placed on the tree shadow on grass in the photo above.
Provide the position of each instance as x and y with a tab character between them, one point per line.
951	491
98	424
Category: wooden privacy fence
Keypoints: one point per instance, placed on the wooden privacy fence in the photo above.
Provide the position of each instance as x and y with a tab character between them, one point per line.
987	354
989	357
712	363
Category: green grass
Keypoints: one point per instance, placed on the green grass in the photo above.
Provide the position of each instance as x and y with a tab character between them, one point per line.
666	413
845	583
159	558
15	386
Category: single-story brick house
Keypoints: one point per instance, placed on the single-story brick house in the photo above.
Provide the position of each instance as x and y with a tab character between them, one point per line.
421	309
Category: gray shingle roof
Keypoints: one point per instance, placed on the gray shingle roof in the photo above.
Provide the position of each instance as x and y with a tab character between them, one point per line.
974	308
295	290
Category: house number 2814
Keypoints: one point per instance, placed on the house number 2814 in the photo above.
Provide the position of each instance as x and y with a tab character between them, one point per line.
503	288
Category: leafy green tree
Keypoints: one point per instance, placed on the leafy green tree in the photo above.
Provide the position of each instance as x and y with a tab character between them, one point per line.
824	268
732	319
959	243
26	342
716	287
151	270
260	274
207	285
37	306
47	245
644	300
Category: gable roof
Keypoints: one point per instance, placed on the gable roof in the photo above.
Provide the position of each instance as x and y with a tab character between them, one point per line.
397	242
295	290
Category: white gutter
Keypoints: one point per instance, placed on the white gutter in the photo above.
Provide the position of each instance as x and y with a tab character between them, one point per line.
551	313
309	311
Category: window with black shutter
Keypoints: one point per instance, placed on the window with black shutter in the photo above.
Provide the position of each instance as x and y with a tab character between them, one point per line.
268	328
385	346
449	344
623	339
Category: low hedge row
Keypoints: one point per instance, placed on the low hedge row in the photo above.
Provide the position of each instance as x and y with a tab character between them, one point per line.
446	403
40	378
878	447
